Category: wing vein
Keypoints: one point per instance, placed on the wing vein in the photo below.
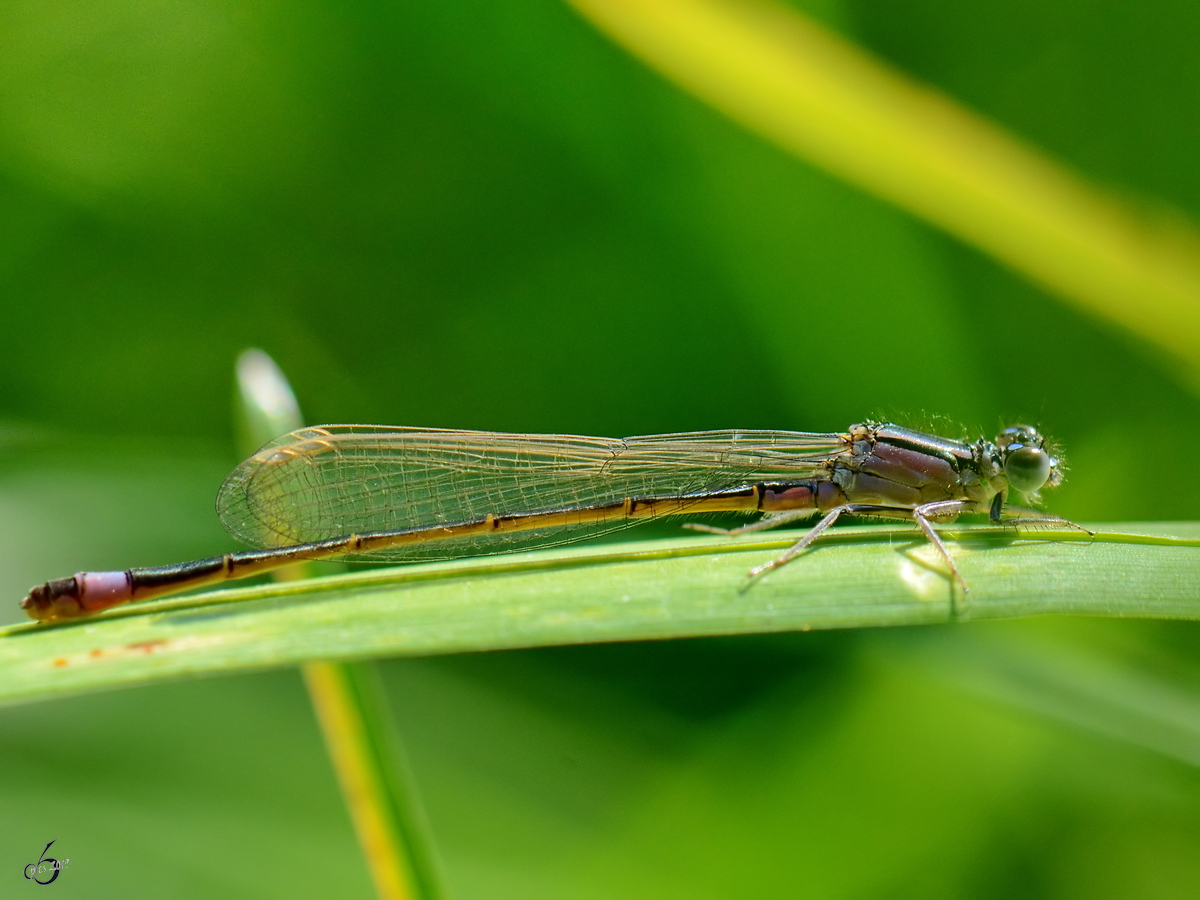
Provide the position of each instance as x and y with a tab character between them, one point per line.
335	480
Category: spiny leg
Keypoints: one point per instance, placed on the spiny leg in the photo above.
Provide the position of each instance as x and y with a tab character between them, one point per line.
948	510
764	524
888	512
945	509
1020	516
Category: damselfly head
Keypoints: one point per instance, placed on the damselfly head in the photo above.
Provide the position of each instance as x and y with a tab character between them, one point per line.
1028	463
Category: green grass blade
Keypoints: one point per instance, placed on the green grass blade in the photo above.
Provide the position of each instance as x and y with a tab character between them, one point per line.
656	589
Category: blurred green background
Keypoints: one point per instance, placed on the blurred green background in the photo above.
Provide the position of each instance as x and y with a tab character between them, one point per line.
484	215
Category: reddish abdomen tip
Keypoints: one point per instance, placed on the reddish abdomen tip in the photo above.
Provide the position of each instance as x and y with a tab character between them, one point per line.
81	595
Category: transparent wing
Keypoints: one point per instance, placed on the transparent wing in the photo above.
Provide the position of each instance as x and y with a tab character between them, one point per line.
335	480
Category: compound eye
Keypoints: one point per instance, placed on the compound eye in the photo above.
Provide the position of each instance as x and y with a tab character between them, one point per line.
1027	469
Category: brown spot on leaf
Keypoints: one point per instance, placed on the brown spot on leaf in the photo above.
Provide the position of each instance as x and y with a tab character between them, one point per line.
147	646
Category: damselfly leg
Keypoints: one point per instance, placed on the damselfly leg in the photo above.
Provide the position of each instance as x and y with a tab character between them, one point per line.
945	510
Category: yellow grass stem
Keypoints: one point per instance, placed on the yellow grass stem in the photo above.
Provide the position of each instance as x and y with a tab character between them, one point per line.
829	102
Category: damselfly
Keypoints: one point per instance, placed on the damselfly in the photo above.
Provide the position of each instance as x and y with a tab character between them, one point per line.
384	494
